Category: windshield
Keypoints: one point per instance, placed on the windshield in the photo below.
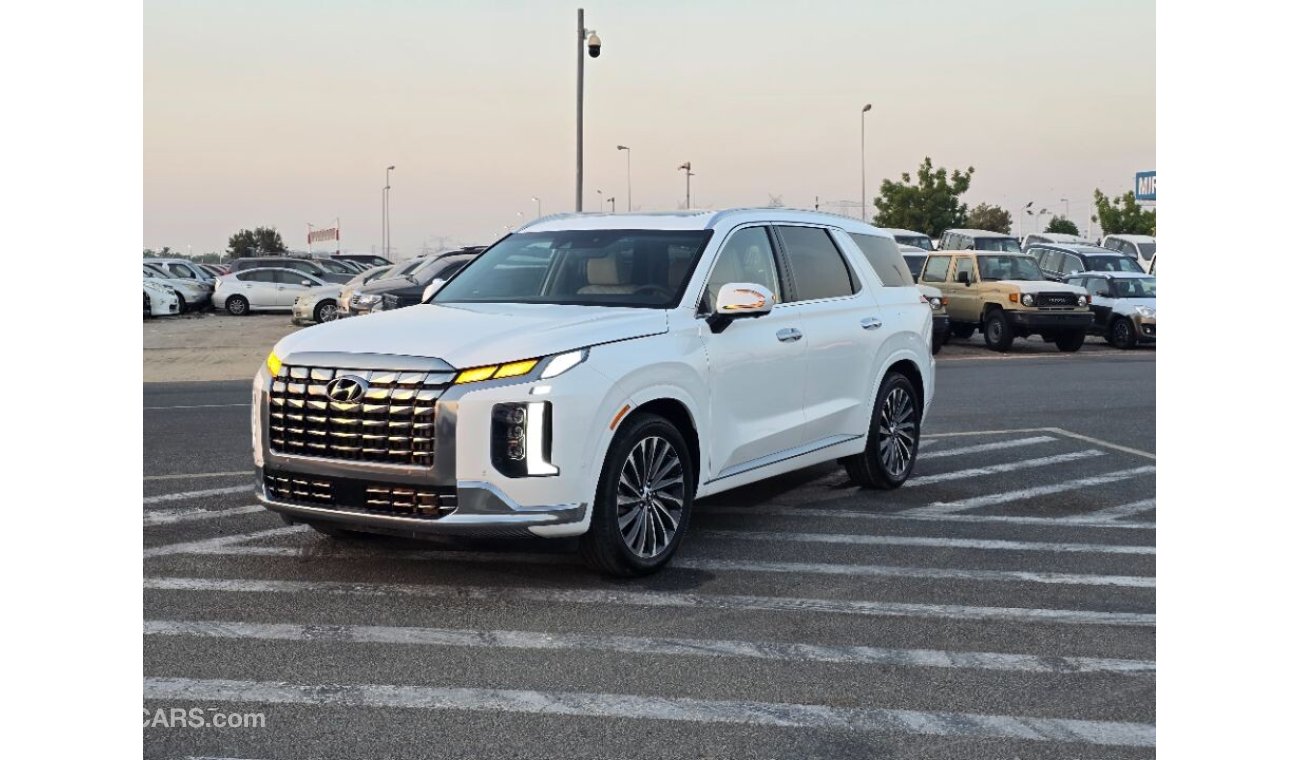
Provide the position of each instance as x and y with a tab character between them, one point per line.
1007	244
399	270
1135	287
994	268
914	264
334	266
920	241
637	268
1113	264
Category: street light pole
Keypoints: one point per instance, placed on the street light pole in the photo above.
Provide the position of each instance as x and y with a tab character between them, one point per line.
863	118
689	174
388	230
586	37
538	201
629	175
1066	201
612	208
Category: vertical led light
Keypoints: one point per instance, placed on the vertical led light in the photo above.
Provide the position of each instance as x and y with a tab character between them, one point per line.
536	437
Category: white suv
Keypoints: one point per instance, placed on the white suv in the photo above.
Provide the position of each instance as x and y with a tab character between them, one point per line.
593	374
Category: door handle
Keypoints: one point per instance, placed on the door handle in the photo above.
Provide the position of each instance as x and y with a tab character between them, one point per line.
871	323
788	335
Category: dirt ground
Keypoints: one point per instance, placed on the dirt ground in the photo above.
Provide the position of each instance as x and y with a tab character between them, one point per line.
210	346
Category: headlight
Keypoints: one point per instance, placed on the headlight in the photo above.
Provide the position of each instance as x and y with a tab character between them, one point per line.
1083	300
1145	311
367	300
561	363
1027	299
936	303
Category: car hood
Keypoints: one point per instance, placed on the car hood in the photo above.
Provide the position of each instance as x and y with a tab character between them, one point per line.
1129	305
386	285
470	335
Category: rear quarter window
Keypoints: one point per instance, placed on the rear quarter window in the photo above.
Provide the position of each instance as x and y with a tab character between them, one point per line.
885	259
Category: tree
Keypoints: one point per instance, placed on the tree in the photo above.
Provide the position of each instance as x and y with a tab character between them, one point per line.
1062	225
1123	215
252	242
930	205
991	218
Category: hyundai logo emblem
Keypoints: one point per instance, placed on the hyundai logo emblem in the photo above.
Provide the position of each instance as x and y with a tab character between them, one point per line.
346	389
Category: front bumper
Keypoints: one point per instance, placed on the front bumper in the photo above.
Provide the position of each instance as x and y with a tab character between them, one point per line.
942	326
1146	329
1035	321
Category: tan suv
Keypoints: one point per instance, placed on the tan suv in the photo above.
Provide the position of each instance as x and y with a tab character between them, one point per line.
1005	296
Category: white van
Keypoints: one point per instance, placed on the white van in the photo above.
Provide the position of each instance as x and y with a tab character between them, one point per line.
1140	247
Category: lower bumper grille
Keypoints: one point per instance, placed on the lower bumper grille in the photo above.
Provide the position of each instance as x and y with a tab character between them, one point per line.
354	495
1056	299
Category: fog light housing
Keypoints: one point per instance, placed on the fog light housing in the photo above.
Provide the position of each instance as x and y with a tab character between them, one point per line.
521	439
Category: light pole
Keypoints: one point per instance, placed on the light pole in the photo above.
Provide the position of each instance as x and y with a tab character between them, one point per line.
865	108
1038	220
629	176
612	209
600	199
538	201
588	38
687	167
388	232
1066	201
1024	222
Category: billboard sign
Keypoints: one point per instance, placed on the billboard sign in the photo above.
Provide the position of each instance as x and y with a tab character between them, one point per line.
1145	186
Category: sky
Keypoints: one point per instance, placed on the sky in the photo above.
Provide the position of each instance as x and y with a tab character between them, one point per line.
286	112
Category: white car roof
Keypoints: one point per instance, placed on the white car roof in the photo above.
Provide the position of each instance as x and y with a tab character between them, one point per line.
978	233
1132	238
1117	275
694	220
897	231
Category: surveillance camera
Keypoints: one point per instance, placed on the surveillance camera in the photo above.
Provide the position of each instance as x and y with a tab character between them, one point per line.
593	45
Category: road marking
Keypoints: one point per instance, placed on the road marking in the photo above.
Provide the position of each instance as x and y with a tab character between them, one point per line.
966	433
982	447
196	494
194	475
582	642
975	502
995	469
173	516
1110	514
197	406
1100	442
1080	521
198	547
651	599
1058	431
631	706
692	563
935	542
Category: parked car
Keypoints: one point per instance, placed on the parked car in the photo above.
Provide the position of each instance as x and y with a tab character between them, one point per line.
396	293
216	270
321	304
181	269
1035	238
1123	306
911	238
365	259
915	259
307	266
1060	261
978	240
885	261
348	295
160	299
591	375
1005	296
1140	247
192	294
263	289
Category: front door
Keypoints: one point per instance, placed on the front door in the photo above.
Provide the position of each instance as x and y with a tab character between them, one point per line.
964	300
756	365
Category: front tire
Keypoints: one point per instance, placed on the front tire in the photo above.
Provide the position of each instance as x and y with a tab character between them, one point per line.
997	331
962	331
326	311
237	306
1122	334
1069	342
892	439
643	501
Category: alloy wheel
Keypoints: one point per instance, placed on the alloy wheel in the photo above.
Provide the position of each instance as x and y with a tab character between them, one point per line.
328	312
650	494
897	432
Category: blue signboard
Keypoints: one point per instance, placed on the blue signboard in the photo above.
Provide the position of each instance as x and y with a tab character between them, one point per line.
1146	186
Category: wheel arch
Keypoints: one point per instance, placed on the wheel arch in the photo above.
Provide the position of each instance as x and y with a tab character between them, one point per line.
676	411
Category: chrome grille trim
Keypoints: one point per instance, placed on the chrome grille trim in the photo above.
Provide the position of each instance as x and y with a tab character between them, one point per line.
1056	300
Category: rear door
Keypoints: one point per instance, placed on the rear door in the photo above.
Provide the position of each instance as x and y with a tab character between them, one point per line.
289	285
258	286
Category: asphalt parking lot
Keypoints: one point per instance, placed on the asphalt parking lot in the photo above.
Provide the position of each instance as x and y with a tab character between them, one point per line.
1001	605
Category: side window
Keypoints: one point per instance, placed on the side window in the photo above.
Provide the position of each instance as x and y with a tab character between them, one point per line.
290	277
746	257
1071	264
1050	261
936	269
965	264
818	268
180	270
258	275
883	255
1099	286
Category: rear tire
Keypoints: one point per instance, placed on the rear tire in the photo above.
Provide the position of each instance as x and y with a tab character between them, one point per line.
1069	342
893	438
1122	334
643	500
237	306
181	306
997	331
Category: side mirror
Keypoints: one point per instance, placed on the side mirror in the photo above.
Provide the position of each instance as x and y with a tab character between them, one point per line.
738	300
306	283
432	288
964	278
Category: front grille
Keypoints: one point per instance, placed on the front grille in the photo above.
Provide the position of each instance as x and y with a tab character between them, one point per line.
354	495
1049	300
390	423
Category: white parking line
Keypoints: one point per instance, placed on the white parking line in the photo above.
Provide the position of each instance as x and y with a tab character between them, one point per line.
975	502
1121	511
462	593
980	448
935	542
195	475
1100	442
629	706
196	494
173	516
198	547
583	642
1079	521
715	565
995	469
